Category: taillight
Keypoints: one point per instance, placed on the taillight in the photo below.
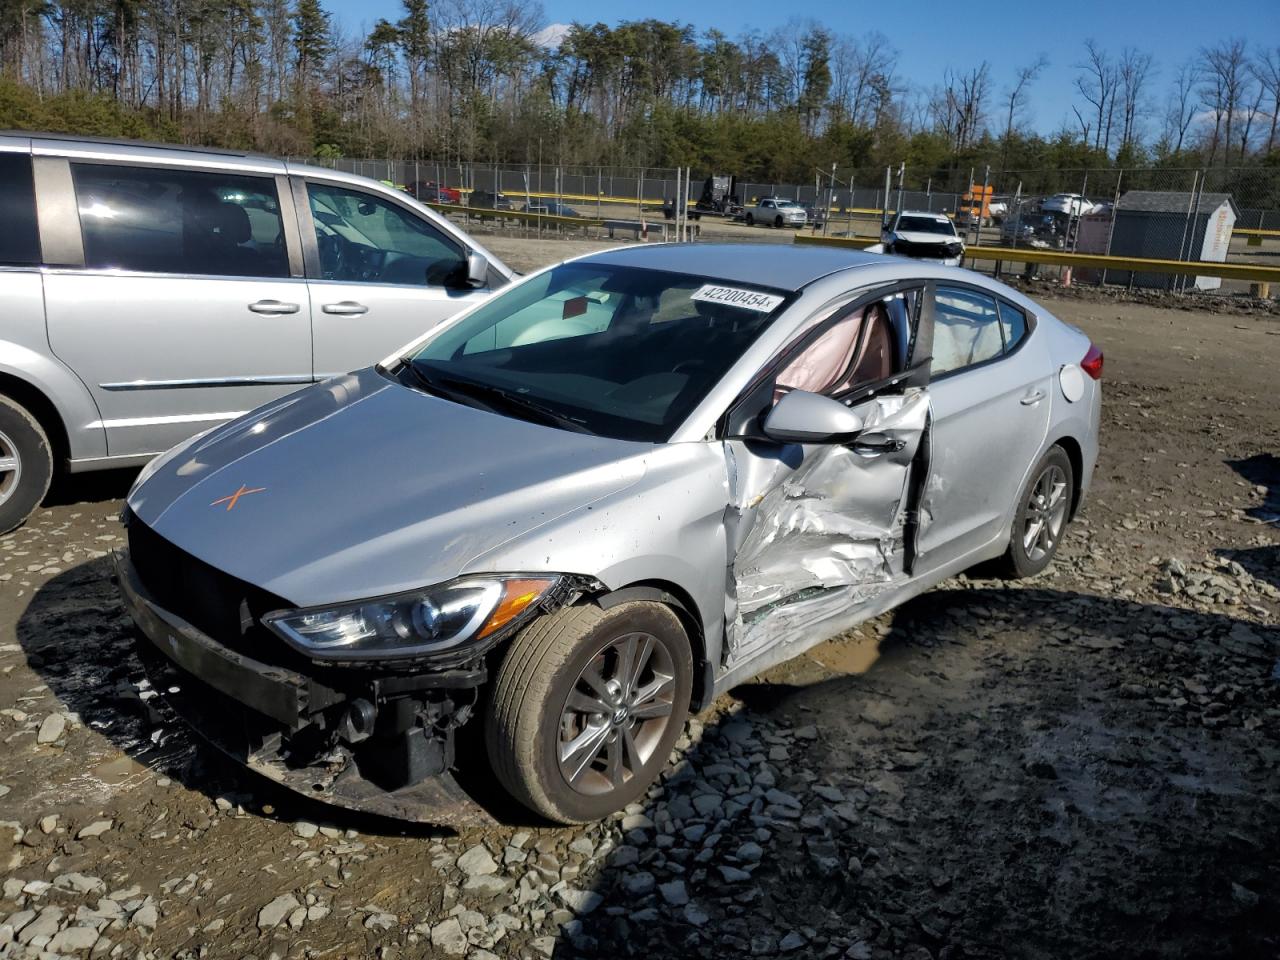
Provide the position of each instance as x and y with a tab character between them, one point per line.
1092	362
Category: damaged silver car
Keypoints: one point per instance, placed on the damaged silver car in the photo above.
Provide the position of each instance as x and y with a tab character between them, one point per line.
549	529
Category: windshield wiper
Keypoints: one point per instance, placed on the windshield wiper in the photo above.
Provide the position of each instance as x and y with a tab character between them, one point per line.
450	387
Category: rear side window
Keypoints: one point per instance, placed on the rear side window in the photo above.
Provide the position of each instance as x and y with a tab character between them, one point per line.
1014	323
179	221
19	240
966	330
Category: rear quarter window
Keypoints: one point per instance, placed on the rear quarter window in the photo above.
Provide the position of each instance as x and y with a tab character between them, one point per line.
19	238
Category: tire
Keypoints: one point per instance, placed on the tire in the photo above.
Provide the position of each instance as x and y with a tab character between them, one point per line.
529	715
751	220
1024	559
777	222
26	464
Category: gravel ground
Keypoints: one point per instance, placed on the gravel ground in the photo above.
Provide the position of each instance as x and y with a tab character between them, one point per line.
1084	764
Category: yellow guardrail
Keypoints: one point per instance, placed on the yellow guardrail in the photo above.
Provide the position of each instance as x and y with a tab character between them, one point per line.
518	215
1064	258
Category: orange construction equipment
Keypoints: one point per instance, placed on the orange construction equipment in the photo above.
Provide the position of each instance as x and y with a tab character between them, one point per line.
975	204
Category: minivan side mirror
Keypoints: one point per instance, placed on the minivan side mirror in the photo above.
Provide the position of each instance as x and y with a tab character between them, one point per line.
804	417
477	269
462	275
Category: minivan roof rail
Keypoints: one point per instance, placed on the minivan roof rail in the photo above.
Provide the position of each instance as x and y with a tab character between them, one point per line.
126	142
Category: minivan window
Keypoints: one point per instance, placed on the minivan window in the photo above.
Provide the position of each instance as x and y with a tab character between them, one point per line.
617	351
364	238
19	239
155	220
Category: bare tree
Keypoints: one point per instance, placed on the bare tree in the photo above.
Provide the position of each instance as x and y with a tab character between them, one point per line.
1266	68
1180	109
1016	101
1225	69
959	107
1097	83
1133	72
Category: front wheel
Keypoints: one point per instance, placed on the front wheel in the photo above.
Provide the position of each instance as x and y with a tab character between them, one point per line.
1041	519
751	220
777	222
26	464
586	706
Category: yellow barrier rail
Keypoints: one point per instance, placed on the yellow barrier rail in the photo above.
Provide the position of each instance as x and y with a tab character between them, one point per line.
540	218
1064	258
833	213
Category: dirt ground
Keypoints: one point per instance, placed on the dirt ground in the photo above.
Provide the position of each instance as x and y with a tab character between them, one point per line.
1085	764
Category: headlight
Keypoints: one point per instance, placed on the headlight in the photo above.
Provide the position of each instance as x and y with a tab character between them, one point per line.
435	620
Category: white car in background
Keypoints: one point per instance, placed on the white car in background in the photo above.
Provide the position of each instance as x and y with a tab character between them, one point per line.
1072	204
776	212
922	235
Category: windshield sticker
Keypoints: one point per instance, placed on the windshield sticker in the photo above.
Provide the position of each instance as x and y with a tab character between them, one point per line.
737	297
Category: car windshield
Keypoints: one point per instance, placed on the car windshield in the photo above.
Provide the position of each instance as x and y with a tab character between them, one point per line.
617	351
926	225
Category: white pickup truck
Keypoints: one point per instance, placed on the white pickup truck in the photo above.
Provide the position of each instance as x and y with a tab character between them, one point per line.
776	212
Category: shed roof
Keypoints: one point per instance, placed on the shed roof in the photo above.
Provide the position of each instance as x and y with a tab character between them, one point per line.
1172	201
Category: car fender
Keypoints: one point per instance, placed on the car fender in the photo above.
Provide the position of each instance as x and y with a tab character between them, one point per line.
65	393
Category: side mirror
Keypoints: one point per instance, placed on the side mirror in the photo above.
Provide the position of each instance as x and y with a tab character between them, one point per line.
803	417
477	270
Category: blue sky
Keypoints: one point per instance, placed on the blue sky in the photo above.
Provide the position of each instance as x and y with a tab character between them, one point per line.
931	36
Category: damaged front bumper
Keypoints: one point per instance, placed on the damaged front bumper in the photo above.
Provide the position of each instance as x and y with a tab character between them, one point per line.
375	742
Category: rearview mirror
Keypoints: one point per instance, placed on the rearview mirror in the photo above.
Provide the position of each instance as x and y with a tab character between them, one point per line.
804	417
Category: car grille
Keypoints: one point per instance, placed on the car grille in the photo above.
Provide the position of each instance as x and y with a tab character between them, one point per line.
215	603
932	250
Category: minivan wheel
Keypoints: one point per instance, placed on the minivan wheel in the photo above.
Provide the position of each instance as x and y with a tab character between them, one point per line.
586	706
1041	519
26	464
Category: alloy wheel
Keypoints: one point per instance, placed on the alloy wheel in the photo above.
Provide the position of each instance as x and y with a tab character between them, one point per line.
1046	513
616	713
10	468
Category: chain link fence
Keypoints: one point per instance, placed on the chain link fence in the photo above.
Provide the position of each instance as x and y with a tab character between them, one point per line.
1215	214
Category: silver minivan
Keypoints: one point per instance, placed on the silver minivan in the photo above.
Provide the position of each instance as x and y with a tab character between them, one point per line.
152	292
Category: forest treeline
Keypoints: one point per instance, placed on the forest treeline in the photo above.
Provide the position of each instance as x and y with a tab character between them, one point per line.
487	80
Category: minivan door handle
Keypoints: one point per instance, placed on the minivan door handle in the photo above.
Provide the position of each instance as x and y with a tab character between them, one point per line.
1032	398
273	308
347	308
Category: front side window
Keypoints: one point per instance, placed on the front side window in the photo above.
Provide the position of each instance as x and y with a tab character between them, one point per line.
616	351
856	350
966	330
19	240
363	238
179	221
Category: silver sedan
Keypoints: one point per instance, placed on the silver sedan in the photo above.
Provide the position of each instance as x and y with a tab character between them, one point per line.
562	520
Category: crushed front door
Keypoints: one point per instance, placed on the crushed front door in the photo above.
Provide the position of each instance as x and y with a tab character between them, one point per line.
820	529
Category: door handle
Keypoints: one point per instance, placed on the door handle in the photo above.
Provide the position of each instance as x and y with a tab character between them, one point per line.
347	308
1031	399
875	444
273	308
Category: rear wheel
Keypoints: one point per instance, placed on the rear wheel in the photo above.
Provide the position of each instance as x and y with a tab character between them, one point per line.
26	464
1041	519
751	220
586	707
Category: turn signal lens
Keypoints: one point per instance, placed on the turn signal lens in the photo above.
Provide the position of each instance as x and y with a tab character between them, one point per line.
516	596
1092	362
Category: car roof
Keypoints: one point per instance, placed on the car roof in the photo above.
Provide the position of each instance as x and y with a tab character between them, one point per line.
931	214
759	264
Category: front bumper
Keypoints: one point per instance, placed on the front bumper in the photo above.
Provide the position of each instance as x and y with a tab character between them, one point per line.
285	724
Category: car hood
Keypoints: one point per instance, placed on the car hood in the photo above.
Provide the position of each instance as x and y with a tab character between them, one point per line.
915	236
360	486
